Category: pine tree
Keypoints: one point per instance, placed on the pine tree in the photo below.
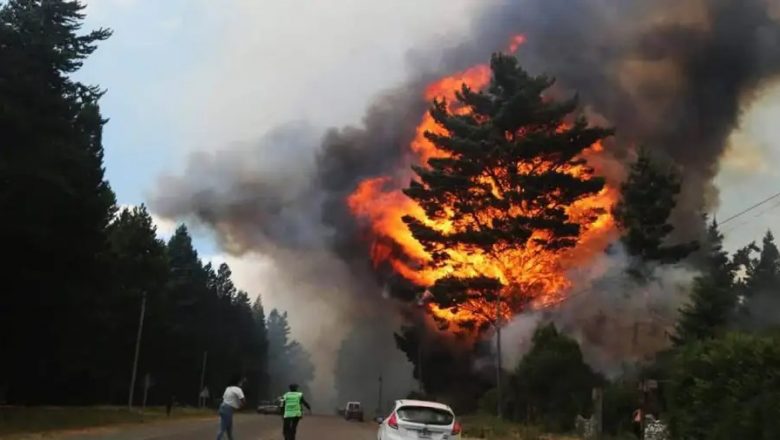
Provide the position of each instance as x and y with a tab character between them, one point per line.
192	307
278	342
552	383
760	286
499	191
763	275
139	267
261	338
54	200
503	175
647	199
288	361
226	290
713	301
302	368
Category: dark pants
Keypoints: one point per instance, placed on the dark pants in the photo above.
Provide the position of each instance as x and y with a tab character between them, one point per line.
290	427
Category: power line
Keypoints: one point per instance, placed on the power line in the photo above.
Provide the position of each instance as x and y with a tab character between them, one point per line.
745	211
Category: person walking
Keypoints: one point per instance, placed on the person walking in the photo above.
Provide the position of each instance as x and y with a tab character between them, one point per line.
292	401
232	400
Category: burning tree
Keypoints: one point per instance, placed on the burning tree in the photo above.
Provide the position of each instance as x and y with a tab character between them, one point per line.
501	196
506	193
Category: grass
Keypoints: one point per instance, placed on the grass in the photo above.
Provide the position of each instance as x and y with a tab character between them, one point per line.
492	428
31	420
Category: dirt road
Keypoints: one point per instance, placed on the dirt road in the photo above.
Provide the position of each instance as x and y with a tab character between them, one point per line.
247	427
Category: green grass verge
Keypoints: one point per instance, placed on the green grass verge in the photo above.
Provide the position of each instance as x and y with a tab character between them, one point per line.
492	428
29	420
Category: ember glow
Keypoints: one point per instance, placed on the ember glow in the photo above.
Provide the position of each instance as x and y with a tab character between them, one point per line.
533	277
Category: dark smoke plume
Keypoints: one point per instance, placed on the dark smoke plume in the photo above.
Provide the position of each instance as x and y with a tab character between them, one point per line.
673	76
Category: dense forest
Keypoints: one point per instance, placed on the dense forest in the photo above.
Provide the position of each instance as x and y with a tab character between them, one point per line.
81	275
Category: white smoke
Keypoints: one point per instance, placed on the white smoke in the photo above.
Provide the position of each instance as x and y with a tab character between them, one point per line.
616	319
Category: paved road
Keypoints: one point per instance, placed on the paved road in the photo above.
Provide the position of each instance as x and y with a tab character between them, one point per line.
247	427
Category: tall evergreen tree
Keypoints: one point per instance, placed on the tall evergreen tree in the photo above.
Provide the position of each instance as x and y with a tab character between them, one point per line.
278	341
224	284
713	301
501	185
760	285
647	199
288	361
139	267
763	275
261	337
192	315
503	176
54	200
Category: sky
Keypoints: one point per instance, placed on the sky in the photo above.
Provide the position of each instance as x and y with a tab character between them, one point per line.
195	75
184	76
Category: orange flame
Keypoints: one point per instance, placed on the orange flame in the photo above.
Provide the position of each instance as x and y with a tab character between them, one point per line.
515	42
530	274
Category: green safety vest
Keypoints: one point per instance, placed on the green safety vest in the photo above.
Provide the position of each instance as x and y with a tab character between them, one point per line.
292	404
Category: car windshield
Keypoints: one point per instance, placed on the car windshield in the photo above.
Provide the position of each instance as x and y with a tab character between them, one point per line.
354	406
425	415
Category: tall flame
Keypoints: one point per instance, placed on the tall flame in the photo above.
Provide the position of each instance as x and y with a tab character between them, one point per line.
529	273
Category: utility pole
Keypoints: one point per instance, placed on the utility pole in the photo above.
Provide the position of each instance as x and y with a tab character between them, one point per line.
203	376
598	411
379	399
137	349
420	362
147	384
420	335
498	355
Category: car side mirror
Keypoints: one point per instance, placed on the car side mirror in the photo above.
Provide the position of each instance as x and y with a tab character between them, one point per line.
380	420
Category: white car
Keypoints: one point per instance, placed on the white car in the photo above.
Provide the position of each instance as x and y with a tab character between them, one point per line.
419	420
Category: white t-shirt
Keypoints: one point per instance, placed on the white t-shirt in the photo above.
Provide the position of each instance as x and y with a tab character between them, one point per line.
233	396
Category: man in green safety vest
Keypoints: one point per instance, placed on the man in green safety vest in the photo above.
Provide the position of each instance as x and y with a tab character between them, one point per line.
292	402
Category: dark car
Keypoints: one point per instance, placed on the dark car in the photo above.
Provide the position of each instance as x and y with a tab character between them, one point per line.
353	411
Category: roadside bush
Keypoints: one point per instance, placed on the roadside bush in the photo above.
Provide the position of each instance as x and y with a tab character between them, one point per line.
726	389
487	403
620	401
552	384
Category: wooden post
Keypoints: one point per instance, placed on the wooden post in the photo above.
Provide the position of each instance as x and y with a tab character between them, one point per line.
598	411
147	384
137	350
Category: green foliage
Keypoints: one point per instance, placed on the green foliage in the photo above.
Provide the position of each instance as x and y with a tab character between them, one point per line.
288	361
713	301
763	273
552	384
54	200
647	198
504	176
490	427
620	401
760	285
488	402
727	388
139	266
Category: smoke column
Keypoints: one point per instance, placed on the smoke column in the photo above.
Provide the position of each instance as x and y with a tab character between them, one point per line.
671	75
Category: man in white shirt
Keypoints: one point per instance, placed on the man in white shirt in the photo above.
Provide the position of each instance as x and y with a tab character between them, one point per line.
232	400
